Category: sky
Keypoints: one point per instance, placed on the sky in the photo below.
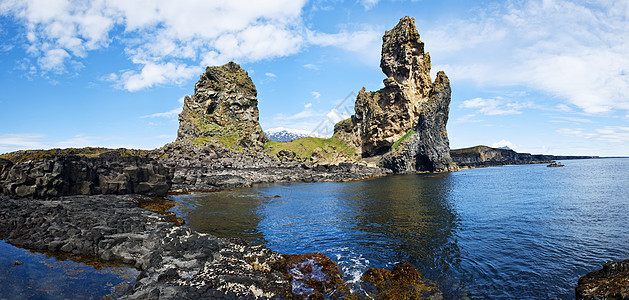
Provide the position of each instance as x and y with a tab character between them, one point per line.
539	76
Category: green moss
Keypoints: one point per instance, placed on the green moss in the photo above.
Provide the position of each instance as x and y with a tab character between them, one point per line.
228	136
402	139
225	141
304	148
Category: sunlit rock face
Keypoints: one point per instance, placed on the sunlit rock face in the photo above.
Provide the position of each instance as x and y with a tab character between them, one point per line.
405	122
223	109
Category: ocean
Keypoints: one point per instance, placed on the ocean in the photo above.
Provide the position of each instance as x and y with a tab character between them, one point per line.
518	232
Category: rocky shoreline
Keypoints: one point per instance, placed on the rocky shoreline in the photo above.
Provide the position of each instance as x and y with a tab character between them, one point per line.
177	262
86	201
212	167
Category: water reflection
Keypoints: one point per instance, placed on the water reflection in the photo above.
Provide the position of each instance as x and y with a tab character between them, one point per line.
224	214
27	274
414	215
360	224
517	232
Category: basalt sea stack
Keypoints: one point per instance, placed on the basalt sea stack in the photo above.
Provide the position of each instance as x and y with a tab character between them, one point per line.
223	109
403	124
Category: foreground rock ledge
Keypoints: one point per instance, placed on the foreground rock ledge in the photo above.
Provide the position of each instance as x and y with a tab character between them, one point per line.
611	282
176	262
179	263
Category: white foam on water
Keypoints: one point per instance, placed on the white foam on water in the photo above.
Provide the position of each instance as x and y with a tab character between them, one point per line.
353	265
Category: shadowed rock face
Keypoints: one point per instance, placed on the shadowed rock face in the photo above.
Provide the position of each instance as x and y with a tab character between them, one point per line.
224	107
409	101
78	175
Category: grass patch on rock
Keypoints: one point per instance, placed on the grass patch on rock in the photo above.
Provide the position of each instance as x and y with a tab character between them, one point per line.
312	148
402	139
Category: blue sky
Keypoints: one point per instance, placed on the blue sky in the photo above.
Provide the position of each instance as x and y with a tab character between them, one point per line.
541	76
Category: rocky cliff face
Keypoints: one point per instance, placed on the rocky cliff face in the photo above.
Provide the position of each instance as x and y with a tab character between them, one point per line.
410	112
78	175
223	109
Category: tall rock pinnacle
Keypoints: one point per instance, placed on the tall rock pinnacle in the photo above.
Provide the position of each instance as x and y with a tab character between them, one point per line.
223	109
405	122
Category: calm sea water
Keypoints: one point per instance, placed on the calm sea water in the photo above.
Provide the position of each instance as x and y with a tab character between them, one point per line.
42	276
523	232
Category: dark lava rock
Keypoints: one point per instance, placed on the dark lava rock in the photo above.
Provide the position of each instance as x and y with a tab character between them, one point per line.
176	262
210	167
611	282
410	112
79	175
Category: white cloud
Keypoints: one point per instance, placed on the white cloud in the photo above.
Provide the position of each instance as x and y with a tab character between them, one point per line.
614	134
493	107
308	105
576	51
571	120
364	41
53	60
78	141
168	115
159	34
271	75
311	66
166	40
27	141
305	114
368	4
469	118
316	95
153	74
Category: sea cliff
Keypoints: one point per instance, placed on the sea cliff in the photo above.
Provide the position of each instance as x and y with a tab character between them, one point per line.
483	156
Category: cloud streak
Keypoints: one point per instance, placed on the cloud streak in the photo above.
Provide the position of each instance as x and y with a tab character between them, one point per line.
576	51
494	107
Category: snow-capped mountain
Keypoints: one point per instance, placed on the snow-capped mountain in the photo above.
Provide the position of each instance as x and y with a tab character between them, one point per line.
281	134
505	148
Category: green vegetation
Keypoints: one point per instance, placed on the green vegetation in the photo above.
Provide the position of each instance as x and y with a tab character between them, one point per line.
305	147
402	139
35	155
228	136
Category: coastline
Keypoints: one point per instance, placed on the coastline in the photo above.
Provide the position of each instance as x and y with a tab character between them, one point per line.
168	255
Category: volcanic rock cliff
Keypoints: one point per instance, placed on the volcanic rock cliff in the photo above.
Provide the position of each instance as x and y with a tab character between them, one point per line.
405	122
223	109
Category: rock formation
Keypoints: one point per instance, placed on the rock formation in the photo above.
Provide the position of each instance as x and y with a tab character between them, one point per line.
223	109
410	112
109	173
